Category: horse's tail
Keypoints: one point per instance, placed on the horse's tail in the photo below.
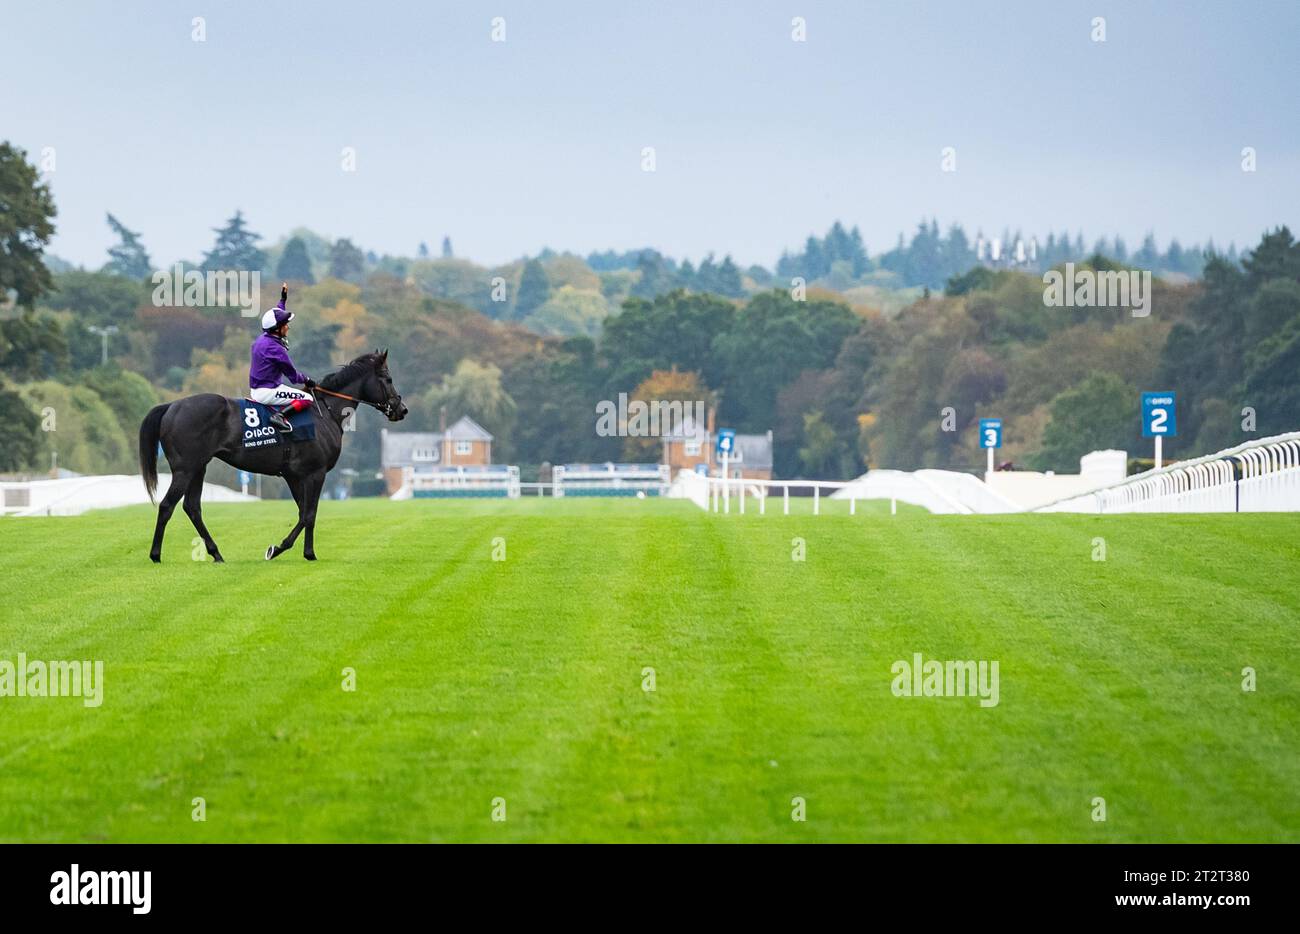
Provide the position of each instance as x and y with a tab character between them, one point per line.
150	429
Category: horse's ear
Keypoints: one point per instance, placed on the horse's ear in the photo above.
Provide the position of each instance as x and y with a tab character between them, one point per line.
383	357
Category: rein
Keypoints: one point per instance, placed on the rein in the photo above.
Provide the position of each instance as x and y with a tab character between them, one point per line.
341	395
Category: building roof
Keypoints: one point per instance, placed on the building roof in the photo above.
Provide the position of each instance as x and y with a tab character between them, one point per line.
402	448
687	428
466	429
397	448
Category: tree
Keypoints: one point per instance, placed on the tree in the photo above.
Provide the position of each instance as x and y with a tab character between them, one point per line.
423	251
822	451
655	278
675	329
32	346
26	225
727	281
475	390
1099	413
236	247
87	436
771	341
664	386
569	312
558	387
347	262
1271	384
534	289
129	257
20	434
295	264
128	394
97	297
446	248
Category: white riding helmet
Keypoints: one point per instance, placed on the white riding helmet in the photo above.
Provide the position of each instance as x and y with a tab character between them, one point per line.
274	317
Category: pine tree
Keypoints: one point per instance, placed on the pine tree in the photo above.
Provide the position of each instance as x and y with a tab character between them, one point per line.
861	263
655	279
424	250
295	264
236	247
129	257
534	289
446	248
815	263
346	261
728	279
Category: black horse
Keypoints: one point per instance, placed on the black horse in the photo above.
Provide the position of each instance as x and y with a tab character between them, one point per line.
196	429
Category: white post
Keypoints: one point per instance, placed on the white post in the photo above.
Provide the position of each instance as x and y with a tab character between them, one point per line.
726	486
817	500
762	502
990	450
785	496
893	507
853	505
1160	452
742	496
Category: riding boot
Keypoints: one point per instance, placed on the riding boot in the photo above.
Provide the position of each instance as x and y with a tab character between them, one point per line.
280	422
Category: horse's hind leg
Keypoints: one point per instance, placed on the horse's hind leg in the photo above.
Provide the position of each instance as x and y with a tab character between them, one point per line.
194	509
180	483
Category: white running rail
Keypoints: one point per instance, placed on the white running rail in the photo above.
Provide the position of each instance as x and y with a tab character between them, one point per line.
942	492
1259	476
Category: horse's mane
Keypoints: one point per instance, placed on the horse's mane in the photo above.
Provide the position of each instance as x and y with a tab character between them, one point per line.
366	363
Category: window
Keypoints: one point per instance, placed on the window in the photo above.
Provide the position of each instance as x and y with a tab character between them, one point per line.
464	447
693	448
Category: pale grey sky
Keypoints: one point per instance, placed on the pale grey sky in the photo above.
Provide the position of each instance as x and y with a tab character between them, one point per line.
536	141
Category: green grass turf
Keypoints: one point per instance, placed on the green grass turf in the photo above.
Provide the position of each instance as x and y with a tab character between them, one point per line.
522	679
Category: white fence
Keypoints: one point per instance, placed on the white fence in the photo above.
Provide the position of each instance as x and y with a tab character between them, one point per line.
1258	476
938	491
715	494
610	479
458	482
71	496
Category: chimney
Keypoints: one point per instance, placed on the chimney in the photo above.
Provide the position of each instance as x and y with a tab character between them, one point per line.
708	438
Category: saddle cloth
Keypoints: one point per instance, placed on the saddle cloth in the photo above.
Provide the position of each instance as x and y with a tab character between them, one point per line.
259	432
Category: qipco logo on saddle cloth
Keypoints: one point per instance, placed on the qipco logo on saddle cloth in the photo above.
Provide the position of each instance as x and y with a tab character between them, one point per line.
255	433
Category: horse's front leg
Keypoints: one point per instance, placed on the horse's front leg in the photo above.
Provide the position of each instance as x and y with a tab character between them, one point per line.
297	488
311	495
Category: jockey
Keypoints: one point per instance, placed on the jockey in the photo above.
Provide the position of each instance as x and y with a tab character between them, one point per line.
271	370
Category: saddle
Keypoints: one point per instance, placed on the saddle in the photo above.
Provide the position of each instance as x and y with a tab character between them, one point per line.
259	432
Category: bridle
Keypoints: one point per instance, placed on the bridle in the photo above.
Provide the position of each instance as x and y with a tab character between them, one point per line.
387	408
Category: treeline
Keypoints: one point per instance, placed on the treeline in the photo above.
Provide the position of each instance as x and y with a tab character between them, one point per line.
529	349
562	294
842	387
839	260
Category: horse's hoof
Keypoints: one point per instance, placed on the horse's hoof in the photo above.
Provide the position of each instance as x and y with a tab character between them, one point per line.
156	559
217	559
310	557
272	552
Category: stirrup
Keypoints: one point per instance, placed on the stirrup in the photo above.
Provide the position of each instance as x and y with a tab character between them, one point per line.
279	421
